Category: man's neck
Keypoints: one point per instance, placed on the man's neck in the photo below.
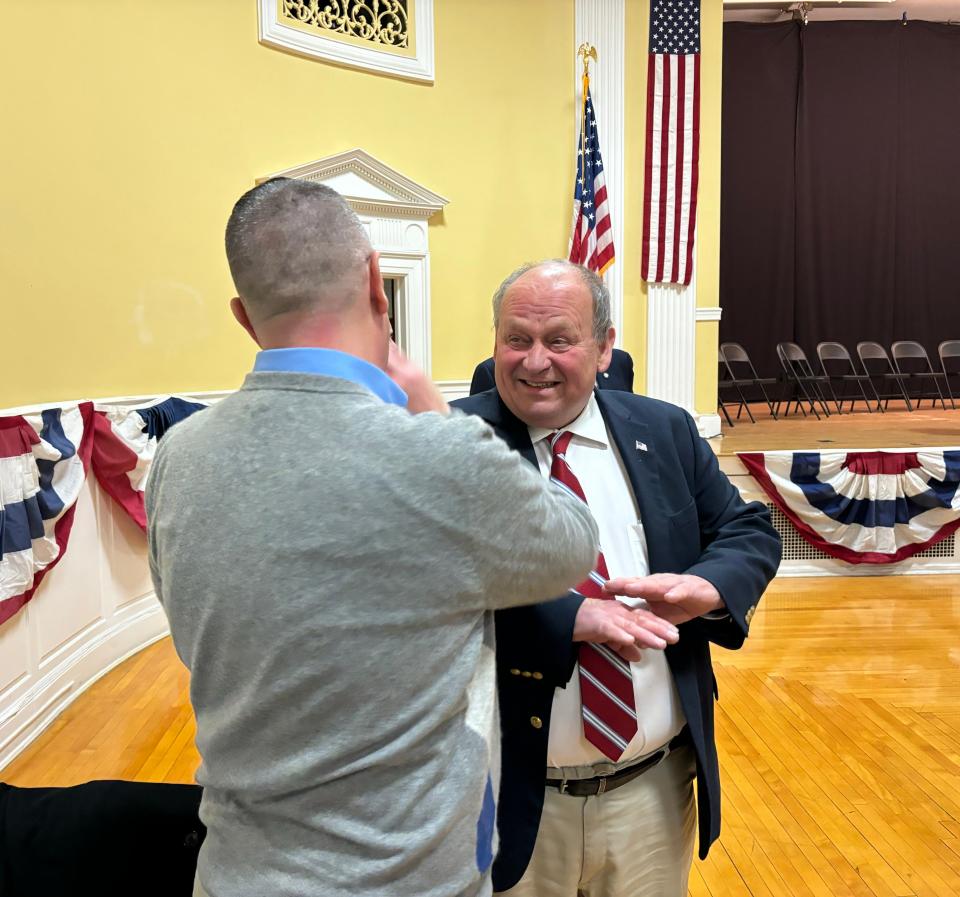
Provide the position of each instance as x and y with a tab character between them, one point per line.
322	335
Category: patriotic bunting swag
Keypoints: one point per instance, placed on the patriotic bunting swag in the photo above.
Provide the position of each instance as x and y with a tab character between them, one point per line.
43	464
864	507
125	445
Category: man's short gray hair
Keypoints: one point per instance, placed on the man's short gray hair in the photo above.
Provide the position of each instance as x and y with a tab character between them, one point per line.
293	245
592	281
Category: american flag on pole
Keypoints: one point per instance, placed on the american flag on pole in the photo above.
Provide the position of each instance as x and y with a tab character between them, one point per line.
591	241
673	141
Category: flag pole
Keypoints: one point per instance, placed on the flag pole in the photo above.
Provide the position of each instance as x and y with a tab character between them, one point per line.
586	52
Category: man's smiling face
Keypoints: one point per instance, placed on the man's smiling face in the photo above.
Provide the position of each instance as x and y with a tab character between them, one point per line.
546	354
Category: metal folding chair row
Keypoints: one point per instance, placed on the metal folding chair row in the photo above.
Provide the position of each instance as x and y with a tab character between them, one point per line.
911	365
804	388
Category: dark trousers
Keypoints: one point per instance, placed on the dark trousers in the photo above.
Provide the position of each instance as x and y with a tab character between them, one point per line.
109	839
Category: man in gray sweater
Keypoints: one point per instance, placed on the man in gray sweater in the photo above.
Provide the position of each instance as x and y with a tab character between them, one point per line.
329	559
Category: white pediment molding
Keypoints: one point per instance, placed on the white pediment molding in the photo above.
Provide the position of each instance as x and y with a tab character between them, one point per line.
370	186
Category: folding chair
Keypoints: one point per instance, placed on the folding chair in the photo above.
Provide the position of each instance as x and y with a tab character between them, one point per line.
838	367
723	382
910	357
948	350
800	377
742	374
877	364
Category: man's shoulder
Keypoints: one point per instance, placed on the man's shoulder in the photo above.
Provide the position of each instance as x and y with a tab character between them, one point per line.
643	407
484	404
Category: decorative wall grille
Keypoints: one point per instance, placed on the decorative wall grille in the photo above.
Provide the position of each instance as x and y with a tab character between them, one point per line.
796	548
381	22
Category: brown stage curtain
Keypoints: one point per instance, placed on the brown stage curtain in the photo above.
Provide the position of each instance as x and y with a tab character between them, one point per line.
840	215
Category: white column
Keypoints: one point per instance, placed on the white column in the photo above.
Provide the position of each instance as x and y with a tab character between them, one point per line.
672	342
602	23
672	316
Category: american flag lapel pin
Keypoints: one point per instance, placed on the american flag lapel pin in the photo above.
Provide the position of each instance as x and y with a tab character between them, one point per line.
641	446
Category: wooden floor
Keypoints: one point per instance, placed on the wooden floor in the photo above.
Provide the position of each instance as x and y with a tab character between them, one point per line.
893	429
838	728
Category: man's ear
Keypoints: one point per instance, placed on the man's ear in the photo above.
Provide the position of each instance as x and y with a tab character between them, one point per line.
240	313
378	297
606	350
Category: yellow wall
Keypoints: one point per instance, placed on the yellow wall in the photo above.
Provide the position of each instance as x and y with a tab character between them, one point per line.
130	129
708	208
635	92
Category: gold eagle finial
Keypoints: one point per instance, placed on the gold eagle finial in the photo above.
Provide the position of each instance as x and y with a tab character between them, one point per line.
587	52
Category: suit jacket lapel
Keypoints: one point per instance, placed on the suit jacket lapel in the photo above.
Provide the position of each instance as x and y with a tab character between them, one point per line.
638	450
510	428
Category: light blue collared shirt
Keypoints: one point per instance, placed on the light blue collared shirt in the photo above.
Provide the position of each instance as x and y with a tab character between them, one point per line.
331	363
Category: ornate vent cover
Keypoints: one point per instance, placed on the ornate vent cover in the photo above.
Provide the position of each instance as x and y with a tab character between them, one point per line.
394	37
379	22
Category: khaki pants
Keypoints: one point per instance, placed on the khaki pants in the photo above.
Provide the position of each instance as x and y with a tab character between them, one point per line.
635	841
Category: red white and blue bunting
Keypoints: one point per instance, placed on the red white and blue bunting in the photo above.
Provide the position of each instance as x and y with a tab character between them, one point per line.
43	464
126	443
873	507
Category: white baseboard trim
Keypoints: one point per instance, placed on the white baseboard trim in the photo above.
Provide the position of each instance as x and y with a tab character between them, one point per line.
72	670
833	567
453	389
708	425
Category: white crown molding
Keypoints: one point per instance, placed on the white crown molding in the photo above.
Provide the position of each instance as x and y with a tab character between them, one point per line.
370	186
709	313
418	67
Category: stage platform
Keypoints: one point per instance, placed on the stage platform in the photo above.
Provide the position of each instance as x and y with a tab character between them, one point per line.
860	431
926	428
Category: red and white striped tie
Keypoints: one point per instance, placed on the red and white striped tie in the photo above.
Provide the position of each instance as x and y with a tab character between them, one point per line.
606	681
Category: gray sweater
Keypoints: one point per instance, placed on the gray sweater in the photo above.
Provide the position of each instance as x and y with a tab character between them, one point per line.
328	564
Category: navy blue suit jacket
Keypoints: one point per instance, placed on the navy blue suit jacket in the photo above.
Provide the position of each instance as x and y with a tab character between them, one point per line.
695	522
618	376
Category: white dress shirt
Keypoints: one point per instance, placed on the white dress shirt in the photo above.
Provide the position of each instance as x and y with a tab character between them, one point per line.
597	465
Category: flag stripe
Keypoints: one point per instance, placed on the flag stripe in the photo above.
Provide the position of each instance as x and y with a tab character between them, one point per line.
648	167
679	122
662	163
694	166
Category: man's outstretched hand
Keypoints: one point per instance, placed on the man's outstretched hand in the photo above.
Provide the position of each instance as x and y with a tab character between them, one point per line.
622	629
676	597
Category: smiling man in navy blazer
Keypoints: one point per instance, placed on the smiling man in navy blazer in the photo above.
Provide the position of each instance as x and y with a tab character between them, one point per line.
607	708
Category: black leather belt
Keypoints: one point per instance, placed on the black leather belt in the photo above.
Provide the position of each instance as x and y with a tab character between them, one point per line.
602	784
